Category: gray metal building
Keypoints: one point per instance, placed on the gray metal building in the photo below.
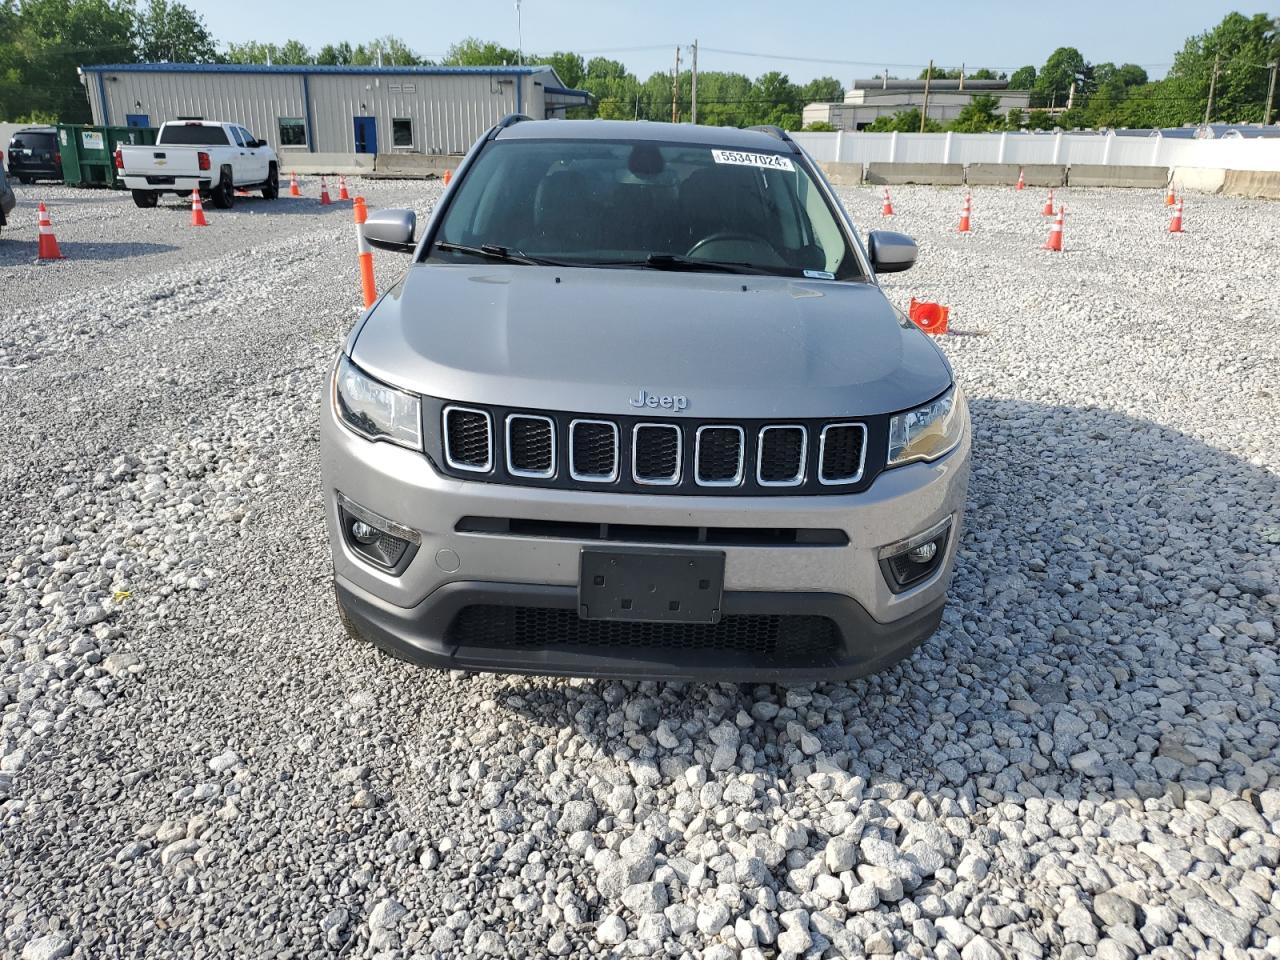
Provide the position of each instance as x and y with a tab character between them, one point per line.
319	109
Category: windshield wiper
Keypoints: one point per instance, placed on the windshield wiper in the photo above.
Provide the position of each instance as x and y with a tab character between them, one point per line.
494	252
674	261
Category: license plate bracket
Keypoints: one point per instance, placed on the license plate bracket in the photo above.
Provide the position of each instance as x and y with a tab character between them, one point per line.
651	585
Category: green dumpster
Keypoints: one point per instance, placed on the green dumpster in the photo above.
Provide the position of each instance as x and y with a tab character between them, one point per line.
88	152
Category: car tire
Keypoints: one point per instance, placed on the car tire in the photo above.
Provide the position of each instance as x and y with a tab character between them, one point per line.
224	194
271	189
145	198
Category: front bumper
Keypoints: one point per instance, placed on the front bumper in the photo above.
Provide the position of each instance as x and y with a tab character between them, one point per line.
411	611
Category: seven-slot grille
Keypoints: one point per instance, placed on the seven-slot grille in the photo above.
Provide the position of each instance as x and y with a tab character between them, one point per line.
593	450
468	439
531	445
633	455
655	453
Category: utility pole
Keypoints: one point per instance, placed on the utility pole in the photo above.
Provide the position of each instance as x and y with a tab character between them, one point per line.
962	76
693	93
675	90
1271	91
924	111
1213	84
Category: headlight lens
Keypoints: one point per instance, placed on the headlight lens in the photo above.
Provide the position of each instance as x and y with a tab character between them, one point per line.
376	411
928	432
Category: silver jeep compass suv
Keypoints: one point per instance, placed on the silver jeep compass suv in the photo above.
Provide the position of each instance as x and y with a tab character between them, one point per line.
638	408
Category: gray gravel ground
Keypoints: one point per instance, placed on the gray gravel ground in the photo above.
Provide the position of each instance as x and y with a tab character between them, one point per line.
195	762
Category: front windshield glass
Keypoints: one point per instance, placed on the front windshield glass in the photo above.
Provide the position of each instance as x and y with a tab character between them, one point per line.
645	204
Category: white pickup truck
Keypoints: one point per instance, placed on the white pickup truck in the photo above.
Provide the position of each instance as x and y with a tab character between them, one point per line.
210	156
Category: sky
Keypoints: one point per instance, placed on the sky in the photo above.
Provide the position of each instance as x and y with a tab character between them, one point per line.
762	35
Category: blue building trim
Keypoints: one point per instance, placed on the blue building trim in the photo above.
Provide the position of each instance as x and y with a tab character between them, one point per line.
312	68
519	94
306	103
569	92
102	97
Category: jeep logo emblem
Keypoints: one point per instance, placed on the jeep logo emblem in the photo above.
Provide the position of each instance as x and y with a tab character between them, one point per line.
675	401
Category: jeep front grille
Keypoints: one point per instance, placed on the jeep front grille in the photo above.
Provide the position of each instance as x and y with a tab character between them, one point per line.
655	453
531	445
637	454
842	452
593	453
780	458
719	456
468	439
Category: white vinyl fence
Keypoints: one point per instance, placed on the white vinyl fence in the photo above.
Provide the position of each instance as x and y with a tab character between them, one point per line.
1028	148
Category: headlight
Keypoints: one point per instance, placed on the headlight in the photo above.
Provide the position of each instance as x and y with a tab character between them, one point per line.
376	411
928	432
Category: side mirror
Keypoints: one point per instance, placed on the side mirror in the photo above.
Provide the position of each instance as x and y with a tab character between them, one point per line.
890	252
391	230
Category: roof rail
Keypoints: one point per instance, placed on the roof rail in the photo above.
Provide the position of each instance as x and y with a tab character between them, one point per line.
509	120
777	133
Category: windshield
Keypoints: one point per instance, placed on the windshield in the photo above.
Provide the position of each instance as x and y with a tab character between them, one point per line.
193	135
644	203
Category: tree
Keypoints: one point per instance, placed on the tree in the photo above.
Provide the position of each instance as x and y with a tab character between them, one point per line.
174	32
253	51
977	116
1058	76
822	90
472	52
1024	78
904	121
568	67
46	42
1014	119
984	73
819	126
335	55
1243	46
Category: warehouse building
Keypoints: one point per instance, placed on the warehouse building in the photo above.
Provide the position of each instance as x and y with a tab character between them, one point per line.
868	100
323	109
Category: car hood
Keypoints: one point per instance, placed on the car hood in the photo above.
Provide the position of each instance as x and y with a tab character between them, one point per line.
591	340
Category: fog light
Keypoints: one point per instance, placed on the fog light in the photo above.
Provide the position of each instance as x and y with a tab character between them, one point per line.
376	538
915	559
363	532
923	553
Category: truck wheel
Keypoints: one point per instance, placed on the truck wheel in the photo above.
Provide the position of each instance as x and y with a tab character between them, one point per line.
271	189
145	198
224	194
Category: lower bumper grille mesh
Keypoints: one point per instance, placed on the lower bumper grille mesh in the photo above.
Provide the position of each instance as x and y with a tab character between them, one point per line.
761	635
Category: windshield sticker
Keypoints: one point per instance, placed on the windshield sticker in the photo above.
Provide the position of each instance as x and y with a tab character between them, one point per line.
767	161
819	275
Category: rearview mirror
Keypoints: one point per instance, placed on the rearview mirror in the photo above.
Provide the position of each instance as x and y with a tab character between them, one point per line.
391	230
890	252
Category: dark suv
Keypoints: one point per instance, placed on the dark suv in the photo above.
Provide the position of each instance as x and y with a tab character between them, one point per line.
33	155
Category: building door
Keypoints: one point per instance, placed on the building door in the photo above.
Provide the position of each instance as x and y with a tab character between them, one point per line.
366	134
137	120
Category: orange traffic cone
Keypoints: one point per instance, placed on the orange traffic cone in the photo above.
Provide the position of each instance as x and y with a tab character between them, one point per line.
197	210
324	192
342	189
1169	196
448	176
1175	225
1022	181
1048	205
48	249
964	215
929	317
293	185
887	209
1055	233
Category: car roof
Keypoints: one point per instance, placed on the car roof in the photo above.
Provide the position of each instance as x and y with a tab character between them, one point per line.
729	137
36	130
